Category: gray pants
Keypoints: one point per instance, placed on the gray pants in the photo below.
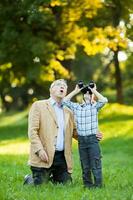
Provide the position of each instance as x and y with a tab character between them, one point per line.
90	157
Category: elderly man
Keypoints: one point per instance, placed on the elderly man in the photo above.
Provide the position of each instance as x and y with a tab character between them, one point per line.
50	130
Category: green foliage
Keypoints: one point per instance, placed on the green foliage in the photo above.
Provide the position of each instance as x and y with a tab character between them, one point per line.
41	39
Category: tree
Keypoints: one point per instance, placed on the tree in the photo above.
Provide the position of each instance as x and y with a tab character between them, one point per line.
38	40
119	11
41	38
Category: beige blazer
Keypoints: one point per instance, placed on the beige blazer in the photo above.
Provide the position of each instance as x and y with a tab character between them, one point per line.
43	130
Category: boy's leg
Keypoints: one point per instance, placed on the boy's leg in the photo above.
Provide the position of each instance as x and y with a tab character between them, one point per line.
40	175
85	165
85	162
96	165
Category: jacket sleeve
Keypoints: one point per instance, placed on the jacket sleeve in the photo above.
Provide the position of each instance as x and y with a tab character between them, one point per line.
33	128
75	134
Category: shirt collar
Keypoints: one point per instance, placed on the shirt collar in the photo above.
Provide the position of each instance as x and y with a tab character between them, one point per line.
85	104
53	103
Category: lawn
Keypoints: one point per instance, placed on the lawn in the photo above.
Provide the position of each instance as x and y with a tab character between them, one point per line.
116	122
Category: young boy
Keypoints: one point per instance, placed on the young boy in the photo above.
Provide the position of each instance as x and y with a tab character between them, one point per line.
86	116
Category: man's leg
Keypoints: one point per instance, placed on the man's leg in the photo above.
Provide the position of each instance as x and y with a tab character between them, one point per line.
59	169
40	175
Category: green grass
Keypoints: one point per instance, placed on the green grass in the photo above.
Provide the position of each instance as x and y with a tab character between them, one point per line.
116	122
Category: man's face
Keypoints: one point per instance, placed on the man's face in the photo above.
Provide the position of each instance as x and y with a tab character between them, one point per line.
59	89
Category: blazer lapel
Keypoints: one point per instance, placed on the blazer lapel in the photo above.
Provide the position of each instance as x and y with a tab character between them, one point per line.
66	117
52	112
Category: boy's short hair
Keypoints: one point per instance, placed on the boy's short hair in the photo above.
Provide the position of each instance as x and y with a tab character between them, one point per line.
58	80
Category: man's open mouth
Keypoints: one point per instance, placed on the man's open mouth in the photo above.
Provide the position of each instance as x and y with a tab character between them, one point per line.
61	91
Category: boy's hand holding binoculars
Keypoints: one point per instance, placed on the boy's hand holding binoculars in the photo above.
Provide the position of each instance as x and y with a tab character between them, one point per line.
87	88
93	88
77	89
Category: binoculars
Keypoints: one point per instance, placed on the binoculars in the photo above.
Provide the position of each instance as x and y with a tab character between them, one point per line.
86	88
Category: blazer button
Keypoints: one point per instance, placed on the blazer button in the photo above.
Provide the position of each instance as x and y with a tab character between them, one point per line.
57	126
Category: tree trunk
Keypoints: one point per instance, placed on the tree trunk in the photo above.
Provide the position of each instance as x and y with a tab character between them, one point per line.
119	92
116	16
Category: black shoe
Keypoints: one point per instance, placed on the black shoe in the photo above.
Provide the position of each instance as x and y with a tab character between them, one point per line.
28	180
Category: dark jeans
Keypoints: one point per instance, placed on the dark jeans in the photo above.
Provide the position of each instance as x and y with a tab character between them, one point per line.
57	173
90	157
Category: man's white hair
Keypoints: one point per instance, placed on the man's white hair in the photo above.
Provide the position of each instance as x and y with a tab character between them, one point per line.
58	80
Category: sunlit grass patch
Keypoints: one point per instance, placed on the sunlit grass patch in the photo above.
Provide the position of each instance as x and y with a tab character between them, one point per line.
13	118
116	120
116	129
113	110
14	147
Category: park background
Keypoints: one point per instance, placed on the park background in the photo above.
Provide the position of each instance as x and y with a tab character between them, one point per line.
44	40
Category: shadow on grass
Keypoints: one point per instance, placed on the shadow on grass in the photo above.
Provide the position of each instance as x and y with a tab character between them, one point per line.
13	131
13	125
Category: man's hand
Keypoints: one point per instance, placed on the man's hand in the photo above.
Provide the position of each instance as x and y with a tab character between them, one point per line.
99	136
43	155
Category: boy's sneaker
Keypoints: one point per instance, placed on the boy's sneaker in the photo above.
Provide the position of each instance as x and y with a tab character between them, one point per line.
28	180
